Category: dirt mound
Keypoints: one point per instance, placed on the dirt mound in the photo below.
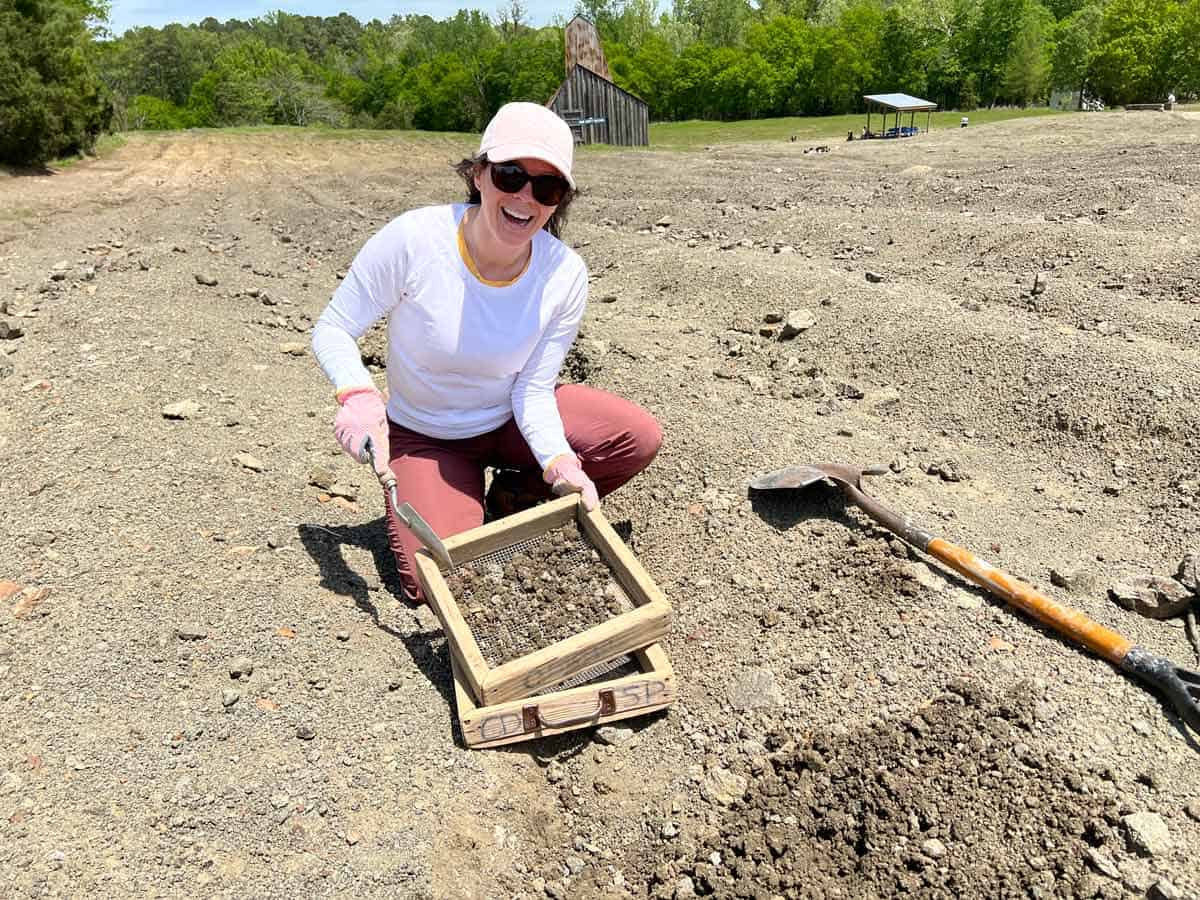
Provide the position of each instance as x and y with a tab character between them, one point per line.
948	802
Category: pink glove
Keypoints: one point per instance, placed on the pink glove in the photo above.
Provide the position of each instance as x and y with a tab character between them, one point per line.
362	415
566	476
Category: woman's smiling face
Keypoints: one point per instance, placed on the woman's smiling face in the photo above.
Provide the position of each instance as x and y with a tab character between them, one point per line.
512	219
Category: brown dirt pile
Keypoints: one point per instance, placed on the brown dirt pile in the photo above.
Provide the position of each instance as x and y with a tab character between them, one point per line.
947	802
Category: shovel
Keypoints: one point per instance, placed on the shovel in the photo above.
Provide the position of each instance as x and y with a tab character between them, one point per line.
1181	686
410	518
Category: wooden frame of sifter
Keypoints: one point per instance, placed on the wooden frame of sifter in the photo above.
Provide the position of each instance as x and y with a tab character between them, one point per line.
523	677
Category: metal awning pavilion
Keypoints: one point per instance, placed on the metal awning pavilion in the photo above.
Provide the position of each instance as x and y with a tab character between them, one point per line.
898	104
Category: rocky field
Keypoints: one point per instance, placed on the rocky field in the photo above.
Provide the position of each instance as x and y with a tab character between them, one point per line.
208	684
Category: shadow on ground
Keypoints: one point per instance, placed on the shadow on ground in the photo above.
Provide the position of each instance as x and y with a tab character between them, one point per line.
324	544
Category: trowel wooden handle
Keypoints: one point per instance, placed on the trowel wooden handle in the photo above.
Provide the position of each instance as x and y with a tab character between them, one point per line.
1066	621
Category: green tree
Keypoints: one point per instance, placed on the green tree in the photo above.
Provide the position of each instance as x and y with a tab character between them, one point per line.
445	96
527	67
243	87
788	45
845	61
1027	72
153	114
1188	80
744	88
1140	54
648	73
989	48
718	23
52	101
1075	39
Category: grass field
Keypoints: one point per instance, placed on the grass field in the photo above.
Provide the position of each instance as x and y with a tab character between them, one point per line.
699	133
663	135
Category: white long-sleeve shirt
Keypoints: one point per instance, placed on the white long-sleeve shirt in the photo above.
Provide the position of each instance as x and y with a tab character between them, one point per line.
463	355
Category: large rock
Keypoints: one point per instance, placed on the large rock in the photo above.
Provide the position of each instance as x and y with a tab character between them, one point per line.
184	409
1147	833
1154	596
797	321
722	787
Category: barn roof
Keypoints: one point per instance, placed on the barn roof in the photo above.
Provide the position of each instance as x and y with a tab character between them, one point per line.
589	73
904	102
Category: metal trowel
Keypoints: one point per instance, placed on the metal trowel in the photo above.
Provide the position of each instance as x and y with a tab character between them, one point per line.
410	518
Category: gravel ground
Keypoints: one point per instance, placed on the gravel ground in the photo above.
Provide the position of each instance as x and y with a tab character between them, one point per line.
210	687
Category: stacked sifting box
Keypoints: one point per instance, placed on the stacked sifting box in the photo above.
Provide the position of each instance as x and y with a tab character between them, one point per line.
529	663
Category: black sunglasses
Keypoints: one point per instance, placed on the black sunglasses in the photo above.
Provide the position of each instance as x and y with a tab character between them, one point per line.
548	190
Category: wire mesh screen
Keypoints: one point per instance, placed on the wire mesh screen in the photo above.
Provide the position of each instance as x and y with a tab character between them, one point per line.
614	668
515	632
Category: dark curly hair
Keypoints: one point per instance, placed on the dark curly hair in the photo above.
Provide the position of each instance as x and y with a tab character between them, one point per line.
469	167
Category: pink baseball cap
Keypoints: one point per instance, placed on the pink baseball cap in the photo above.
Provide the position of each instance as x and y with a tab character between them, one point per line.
528	130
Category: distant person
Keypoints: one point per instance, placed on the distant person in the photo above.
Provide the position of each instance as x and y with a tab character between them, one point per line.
962	123
482	301
1170	100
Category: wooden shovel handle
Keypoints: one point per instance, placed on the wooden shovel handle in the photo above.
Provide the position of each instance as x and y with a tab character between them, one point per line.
1066	621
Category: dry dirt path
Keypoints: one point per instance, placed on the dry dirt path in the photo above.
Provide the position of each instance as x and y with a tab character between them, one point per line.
852	721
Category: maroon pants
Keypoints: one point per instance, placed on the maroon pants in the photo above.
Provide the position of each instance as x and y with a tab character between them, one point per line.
443	479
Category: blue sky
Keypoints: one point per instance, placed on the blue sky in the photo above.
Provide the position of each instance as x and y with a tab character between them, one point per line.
128	13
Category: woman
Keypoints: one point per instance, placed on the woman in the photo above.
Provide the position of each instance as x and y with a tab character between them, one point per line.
483	301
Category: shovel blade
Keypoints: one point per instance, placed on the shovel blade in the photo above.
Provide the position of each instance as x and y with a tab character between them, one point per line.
789	477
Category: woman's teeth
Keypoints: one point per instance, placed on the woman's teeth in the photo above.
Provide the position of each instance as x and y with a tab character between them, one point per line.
515	216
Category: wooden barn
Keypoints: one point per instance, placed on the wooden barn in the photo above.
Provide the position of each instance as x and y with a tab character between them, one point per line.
597	110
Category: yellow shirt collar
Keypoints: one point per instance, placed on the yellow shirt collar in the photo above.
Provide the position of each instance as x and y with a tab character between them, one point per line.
470	263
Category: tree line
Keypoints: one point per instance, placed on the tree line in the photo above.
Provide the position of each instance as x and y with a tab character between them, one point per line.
64	77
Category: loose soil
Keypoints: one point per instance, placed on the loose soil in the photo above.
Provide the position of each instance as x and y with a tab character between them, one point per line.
874	812
557	587
210	687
